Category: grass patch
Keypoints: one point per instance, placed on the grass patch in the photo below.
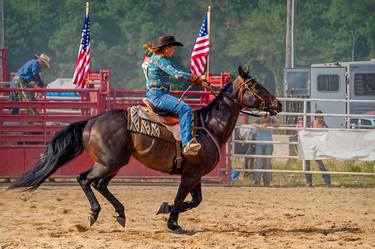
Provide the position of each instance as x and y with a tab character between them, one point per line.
298	179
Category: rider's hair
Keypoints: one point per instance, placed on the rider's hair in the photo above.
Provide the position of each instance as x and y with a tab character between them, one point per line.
150	48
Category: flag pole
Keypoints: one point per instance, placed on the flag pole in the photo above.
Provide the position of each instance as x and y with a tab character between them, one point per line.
82	65
209	38
87	8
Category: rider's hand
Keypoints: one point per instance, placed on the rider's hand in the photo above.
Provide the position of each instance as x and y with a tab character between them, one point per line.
193	78
204	77
204	81
199	81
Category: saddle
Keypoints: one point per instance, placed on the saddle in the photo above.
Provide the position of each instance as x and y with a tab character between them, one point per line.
165	117
150	121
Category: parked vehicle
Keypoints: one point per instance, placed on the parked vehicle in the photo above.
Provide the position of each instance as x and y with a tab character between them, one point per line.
362	123
341	80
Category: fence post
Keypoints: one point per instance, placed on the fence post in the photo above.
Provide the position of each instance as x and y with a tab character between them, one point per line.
228	162
304	128
4	65
101	101
104	90
4	69
348	112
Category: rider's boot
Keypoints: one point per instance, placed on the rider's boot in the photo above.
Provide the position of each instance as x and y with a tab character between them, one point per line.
191	148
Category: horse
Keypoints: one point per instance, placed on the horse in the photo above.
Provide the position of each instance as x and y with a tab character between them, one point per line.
110	144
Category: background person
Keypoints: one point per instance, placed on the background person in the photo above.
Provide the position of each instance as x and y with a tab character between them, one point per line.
245	134
293	148
318	122
29	76
299	122
263	134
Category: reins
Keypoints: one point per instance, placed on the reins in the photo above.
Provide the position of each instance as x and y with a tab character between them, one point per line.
183	95
244	86
203	127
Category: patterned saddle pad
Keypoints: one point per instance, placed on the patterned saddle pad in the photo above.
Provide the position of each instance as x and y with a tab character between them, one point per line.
144	121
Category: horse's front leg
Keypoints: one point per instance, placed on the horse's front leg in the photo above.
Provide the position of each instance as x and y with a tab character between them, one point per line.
196	195
188	183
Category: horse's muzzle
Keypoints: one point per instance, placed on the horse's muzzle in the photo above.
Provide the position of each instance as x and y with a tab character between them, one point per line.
274	110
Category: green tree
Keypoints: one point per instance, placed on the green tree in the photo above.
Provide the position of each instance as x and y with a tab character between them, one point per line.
260	41
312	32
349	27
247	32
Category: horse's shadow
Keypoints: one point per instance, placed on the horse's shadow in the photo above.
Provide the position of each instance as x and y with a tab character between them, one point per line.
274	231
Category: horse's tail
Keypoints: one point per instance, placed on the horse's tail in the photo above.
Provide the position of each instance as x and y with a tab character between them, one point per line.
64	146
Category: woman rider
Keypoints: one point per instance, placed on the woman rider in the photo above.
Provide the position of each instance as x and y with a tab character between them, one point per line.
157	71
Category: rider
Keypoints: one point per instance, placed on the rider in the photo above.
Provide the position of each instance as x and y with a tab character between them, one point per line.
29	76
157	70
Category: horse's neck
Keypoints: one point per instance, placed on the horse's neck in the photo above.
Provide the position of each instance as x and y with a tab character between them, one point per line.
221	116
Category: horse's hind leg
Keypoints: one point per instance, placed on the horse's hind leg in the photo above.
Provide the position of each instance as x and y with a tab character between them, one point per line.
102	187
85	179
95	206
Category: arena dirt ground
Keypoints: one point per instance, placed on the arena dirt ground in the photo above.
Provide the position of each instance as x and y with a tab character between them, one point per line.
228	217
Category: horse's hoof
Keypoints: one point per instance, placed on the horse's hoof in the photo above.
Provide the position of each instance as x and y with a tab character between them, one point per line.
92	220
174	227
177	230
121	221
164	208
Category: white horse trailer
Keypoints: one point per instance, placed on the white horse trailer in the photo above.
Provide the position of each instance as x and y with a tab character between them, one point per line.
342	80
361	86
328	81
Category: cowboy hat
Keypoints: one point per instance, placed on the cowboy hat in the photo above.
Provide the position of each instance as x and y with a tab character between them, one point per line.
44	58
166	41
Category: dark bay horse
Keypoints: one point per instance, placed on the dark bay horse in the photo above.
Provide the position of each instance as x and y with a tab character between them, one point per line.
110	144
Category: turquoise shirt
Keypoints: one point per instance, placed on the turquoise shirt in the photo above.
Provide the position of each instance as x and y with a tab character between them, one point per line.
158	69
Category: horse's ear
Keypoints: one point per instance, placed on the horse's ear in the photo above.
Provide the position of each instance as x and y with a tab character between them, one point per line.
247	70
241	72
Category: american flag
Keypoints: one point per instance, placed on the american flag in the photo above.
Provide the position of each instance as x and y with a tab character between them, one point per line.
200	52
83	60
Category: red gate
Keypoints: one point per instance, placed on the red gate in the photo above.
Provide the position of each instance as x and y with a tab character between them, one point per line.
23	137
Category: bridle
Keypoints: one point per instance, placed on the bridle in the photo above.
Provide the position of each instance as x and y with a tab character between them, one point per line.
244	85
250	86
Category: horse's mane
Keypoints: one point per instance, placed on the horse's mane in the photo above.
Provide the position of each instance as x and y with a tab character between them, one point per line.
219	97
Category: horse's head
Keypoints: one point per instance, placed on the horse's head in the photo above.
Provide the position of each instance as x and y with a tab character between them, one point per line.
249	93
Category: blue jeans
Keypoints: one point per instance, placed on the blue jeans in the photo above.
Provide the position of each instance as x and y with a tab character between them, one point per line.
163	101
263	163
21	96
14	96
326	177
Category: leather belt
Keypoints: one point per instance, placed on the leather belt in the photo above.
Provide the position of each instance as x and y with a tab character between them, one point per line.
158	88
